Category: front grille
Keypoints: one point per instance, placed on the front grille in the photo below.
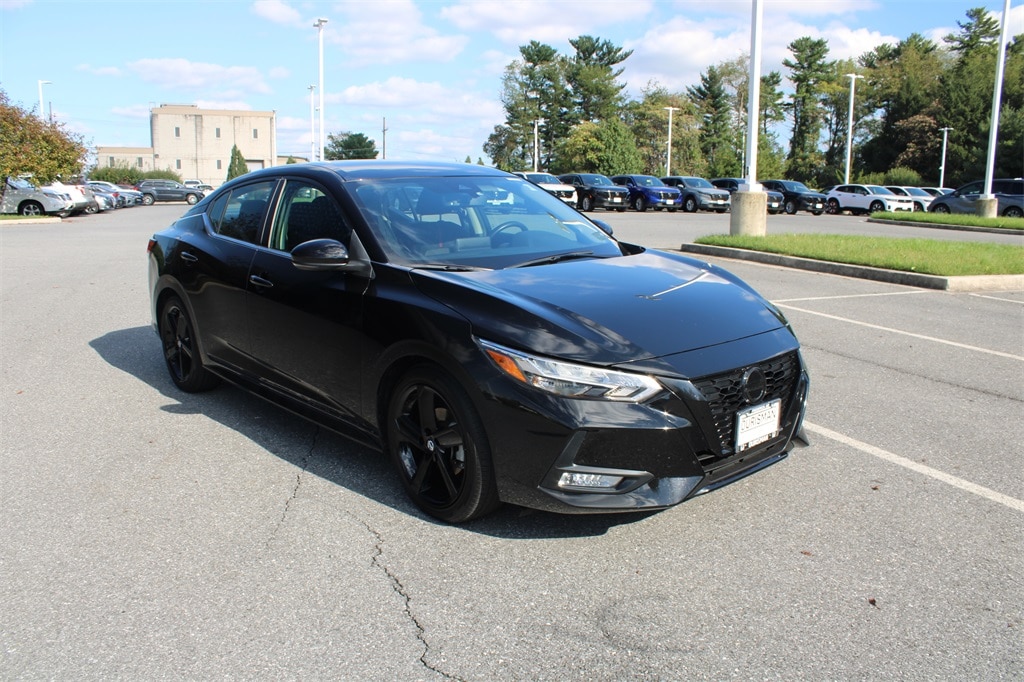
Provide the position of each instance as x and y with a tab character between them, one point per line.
724	393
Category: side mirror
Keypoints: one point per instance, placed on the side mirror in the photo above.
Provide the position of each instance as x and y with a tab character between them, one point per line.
605	227
320	254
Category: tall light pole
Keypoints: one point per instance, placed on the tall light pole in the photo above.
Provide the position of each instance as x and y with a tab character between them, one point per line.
942	166
668	160
319	25
849	127
41	110
312	124
536	144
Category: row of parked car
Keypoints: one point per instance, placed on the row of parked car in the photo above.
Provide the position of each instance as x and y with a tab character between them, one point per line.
589	191
22	197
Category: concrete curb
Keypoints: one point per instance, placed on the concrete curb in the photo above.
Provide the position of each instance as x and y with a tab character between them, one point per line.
30	221
940	226
912	279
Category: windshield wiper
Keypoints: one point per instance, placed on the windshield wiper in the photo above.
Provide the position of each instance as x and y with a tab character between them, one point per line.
558	257
447	267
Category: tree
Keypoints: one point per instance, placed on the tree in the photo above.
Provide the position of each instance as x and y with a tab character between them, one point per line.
809	69
237	165
607	147
718	134
344	146
647	119
31	146
593	78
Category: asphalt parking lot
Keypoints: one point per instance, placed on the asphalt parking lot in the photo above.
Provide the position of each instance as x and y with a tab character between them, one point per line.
148	533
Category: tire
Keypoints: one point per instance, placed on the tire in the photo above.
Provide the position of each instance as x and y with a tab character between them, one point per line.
181	349
941	208
31	208
876	207
816	212
673	209
587	204
1013	212
833	207
640	205
191	199
690	205
790	207
439	447
918	206
148	199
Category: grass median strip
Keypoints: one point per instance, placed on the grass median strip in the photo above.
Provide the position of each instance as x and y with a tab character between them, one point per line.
963	219
926	256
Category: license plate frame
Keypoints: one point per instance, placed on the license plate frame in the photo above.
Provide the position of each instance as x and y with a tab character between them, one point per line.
757	424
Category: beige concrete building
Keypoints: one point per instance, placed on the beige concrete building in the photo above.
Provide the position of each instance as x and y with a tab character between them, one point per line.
196	143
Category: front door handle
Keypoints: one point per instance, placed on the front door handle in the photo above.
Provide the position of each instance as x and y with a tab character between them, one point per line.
260	282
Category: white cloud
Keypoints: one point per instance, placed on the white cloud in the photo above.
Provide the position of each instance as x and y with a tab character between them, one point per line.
182	74
278	12
279	72
406	37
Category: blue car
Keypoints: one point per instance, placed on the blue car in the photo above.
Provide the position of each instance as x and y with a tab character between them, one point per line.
647	191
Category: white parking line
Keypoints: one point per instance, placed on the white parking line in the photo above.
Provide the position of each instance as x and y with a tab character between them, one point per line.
998	298
836	298
988	494
905	333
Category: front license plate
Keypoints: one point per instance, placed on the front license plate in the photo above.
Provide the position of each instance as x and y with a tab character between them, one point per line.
616	200
757	424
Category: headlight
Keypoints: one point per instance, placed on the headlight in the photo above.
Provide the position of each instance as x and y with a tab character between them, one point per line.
571	380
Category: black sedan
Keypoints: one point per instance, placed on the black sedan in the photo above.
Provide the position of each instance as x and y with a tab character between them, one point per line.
495	343
797	196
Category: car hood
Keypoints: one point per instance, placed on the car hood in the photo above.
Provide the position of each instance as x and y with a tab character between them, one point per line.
606	311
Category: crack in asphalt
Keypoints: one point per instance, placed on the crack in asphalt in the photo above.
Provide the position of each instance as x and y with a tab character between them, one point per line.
303	465
399	588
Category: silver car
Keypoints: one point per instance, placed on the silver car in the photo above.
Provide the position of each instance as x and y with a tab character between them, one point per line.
1008	192
22	197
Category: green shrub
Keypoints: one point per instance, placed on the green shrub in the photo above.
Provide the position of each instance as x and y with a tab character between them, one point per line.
903	176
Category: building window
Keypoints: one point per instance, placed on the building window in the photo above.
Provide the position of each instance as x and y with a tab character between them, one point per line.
218	164
177	131
138	161
110	161
216	132
255	134
177	164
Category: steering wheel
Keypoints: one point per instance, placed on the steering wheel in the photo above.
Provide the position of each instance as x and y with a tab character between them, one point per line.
507	225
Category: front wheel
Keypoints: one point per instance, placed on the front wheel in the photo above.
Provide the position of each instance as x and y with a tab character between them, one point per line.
31	208
640	205
587	204
690	205
876	207
941	208
181	349
832	207
438	444
1013	212
791	207
191	199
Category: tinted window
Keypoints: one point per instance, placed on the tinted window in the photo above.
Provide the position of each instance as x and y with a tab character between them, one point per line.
306	212
239	214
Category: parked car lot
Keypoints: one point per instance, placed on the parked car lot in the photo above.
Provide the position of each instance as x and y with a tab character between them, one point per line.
179	535
866	199
1008	192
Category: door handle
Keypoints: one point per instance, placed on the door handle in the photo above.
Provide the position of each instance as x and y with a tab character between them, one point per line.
260	282
188	257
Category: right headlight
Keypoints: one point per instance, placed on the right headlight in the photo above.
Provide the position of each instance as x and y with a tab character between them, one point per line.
569	379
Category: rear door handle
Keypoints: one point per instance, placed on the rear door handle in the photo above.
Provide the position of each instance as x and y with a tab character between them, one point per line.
260	282
188	257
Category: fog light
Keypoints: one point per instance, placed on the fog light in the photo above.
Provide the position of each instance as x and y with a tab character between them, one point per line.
578	480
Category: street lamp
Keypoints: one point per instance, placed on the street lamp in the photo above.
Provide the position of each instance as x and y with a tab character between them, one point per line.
319	25
312	124
41	84
849	127
536	144
668	161
942	166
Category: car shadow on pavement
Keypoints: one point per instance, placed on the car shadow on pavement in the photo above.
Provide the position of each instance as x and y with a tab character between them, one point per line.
365	471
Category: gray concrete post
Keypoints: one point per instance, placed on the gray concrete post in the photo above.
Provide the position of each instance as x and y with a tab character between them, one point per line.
749	214
987	207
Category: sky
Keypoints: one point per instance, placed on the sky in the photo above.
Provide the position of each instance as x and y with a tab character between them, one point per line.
431	70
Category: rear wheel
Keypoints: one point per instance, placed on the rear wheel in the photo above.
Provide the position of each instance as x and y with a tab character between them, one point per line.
148	199
640	204
941	208
437	442
790	207
181	350
191	199
587	204
1013	212
690	205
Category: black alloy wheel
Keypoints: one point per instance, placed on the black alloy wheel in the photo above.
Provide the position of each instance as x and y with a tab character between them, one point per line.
941	208
438	445
1013	212
790	207
180	351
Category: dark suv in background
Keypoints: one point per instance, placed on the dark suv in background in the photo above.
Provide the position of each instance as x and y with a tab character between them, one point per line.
594	190
797	196
167	190
775	203
1009	192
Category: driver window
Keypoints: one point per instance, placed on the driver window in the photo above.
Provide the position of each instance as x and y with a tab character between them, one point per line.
307	212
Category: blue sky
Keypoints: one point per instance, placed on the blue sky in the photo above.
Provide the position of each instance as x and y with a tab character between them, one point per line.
431	68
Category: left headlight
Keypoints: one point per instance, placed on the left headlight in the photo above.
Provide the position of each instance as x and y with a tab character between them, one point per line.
569	379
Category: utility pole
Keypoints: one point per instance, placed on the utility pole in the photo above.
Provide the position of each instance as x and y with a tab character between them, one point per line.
319	25
384	138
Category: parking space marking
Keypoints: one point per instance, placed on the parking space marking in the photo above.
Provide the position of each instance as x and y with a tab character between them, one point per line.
987	493
947	342
836	298
998	298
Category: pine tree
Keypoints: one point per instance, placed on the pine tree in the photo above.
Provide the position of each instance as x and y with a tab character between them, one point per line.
237	165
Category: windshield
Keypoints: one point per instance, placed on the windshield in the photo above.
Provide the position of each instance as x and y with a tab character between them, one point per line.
649	181
543	177
916	191
875	189
699	182
596	180
474	222
794	186
19	183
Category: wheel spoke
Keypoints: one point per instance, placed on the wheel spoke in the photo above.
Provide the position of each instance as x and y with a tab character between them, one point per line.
426	399
442	460
449	437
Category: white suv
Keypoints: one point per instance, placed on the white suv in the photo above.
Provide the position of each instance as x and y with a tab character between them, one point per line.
865	199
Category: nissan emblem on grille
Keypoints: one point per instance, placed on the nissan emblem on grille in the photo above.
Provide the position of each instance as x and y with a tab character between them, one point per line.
754	385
